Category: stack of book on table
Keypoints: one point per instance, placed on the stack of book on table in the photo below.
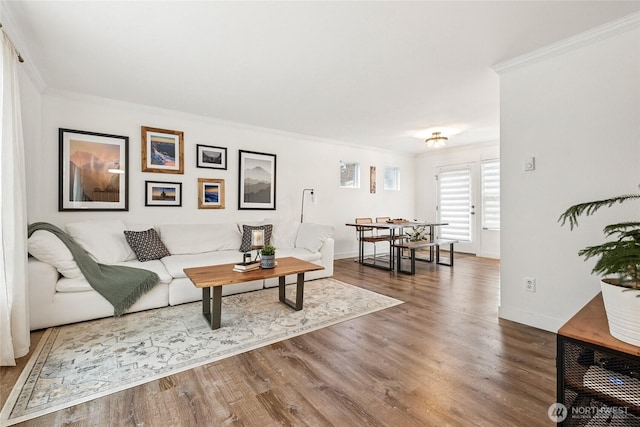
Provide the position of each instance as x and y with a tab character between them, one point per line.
246	266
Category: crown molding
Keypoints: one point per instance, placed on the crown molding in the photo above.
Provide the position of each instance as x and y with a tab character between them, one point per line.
174	114
9	26
597	34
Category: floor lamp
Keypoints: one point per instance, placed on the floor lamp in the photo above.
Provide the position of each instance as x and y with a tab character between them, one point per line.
313	199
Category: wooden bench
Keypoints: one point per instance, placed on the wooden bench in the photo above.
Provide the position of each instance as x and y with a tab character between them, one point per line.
412	246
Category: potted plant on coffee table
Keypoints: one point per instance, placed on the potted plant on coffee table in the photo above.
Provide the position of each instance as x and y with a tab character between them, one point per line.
619	263
268	256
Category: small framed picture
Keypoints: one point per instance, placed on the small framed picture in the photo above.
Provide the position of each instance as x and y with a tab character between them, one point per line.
211	157
93	171
162	150
210	193
159	193
257	181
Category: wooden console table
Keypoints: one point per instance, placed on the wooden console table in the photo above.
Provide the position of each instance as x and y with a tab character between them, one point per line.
598	376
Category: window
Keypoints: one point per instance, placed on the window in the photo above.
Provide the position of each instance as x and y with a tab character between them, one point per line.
491	195
349	175
392	179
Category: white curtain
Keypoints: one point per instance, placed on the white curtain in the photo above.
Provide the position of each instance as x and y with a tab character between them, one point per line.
14	314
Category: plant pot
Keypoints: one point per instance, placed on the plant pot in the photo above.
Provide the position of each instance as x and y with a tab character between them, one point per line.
268	261
622	306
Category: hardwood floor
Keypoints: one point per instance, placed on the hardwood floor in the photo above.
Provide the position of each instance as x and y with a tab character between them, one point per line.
441	358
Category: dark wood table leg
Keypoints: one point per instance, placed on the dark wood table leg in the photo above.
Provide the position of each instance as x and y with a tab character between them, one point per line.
297	305
206	304
212	307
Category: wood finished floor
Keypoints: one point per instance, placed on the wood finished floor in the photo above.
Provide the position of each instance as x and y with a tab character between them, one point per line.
441	358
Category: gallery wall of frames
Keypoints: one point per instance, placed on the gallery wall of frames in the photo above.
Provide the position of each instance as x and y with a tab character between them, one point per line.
94	172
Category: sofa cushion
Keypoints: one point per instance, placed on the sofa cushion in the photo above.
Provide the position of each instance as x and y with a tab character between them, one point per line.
299	253
146	244
103	240
247	230
312	236
284	233
155	265
46	247
183	239
65	285
176	264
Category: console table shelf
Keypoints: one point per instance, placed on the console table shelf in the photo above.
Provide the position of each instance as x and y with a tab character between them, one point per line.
598	375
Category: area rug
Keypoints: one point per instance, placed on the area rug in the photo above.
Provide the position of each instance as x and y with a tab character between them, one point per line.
80	362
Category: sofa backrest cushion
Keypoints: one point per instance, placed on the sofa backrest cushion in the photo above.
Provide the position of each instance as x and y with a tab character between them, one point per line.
284	233
103	240
182	239
46	247
312	236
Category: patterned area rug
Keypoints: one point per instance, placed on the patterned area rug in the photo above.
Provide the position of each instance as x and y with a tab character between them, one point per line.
85	361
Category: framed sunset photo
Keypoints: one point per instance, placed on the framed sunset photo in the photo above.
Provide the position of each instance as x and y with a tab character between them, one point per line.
162	150
160	193
210	193
93	171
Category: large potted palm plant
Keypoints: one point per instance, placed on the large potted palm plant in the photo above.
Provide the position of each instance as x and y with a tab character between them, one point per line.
618	262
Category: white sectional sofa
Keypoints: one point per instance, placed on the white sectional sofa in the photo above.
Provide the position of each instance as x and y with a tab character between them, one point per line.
59	293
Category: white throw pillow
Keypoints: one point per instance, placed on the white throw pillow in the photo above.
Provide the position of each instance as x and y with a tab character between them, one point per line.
103	240
312	236
182	239
46	247
284	234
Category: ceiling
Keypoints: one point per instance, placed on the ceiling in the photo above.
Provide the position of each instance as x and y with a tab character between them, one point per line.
364	73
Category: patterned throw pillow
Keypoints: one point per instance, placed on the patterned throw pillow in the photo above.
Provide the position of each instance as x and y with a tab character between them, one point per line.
146	244
246	235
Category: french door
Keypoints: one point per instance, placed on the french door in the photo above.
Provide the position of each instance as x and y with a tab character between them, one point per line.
456	207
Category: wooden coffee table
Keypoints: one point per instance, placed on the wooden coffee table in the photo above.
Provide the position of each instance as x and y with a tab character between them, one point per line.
214	277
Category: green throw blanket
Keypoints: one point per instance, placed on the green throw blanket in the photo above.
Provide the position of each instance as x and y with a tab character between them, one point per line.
121	286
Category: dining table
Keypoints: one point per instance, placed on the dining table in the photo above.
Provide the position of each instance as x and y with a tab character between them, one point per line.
396	229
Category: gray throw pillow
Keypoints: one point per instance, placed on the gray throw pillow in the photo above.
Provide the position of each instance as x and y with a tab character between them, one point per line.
146	244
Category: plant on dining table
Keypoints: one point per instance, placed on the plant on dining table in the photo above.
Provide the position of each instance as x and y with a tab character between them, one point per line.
418	233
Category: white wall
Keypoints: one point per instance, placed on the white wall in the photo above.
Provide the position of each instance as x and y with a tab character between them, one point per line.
427	165
578	113
302	162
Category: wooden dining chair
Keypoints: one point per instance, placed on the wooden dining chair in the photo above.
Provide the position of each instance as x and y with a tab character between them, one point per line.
386	232
369	234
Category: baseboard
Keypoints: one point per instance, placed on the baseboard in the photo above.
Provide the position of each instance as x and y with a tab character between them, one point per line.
492	255
343	255
530	319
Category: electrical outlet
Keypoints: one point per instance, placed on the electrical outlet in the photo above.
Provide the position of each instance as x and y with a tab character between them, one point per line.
529	284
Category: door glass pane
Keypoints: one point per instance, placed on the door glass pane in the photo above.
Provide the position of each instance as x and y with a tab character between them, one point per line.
491	195
454	203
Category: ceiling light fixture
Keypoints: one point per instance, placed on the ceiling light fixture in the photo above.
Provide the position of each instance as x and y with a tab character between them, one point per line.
436	140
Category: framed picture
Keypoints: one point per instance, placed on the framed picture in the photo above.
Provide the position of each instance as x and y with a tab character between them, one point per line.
210	193
93	171
372	179
211	157
257	181
159	193
162	150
